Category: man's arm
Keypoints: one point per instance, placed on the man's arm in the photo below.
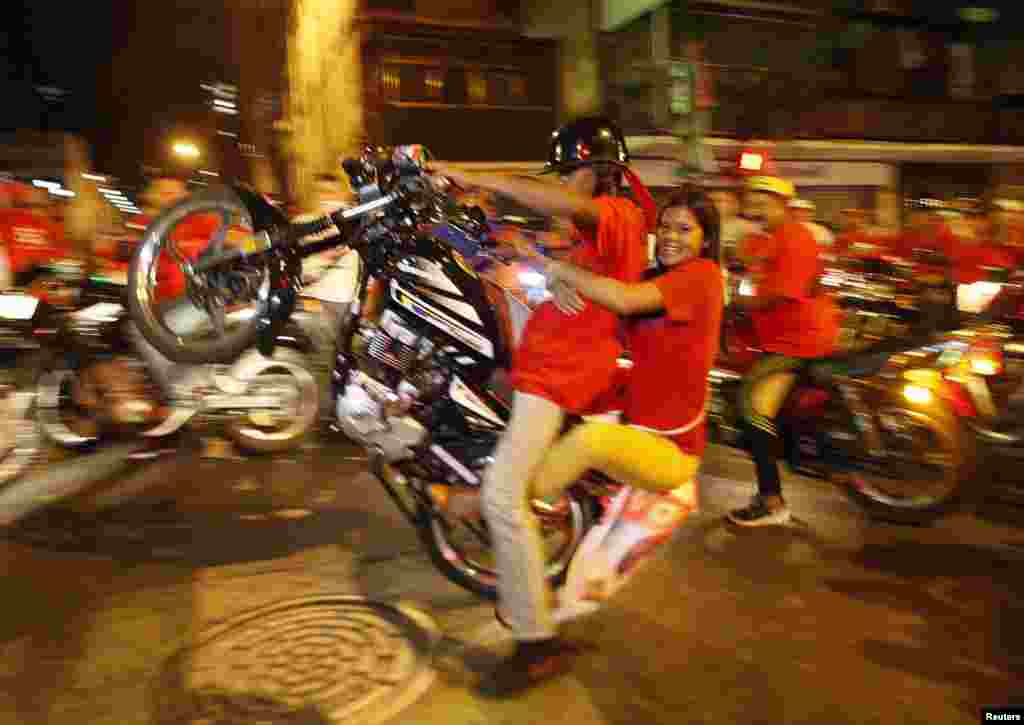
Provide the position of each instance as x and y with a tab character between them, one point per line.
549	199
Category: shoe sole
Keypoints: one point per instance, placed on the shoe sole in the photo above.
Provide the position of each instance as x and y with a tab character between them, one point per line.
776	519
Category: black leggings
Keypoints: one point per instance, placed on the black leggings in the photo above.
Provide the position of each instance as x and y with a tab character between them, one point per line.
762	432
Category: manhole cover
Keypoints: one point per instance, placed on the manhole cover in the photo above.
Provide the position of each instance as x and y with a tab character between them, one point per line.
324	659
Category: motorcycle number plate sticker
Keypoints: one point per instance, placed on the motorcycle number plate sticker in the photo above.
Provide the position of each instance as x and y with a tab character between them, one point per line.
18	307
100	312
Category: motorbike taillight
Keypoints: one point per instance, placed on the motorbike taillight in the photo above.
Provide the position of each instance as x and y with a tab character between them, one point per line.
984	358
954	393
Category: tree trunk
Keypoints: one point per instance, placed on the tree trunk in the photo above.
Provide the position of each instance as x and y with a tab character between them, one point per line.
325	108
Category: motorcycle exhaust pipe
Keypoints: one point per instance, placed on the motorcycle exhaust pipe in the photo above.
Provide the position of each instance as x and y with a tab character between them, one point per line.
57	482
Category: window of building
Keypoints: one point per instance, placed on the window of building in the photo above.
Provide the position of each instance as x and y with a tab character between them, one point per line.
391	81
476	87
517	89
395	6
433	83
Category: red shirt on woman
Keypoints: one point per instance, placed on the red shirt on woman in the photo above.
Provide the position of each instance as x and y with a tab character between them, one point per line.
673	353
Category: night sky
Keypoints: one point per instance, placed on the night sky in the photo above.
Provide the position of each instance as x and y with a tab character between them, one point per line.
132	70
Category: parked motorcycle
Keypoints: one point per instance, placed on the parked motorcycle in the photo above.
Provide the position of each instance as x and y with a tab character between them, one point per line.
419	371
96	378
878	421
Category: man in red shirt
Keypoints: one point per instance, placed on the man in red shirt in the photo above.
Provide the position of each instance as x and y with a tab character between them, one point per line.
564	362
927	230
29	234
794	321
1006	227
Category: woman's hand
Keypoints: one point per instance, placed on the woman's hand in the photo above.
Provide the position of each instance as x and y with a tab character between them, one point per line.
565	297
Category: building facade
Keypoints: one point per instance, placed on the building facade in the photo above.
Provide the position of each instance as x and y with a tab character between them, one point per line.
458	76
897	83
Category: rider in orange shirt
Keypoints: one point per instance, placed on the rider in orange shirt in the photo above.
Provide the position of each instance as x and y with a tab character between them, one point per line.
794	321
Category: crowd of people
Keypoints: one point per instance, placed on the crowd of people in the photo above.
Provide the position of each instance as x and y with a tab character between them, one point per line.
609	295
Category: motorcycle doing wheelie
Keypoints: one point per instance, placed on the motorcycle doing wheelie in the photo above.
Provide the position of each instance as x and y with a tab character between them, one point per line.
418	371
878	421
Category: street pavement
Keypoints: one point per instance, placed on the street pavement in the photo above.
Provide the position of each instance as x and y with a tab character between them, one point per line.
220	590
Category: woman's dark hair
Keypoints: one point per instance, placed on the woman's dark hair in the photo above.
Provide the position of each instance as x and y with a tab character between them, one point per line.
699	202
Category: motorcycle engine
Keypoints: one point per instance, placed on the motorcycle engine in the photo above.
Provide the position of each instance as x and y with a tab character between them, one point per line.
396	368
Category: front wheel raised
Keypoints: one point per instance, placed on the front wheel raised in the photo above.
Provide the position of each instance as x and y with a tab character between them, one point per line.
211	320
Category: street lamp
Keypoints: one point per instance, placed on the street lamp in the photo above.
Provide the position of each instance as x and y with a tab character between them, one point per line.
186	150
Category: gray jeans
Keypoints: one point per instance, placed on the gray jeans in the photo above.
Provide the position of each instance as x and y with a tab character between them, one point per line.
518	548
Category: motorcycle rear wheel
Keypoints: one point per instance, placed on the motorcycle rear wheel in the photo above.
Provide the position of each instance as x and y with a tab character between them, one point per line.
937	444
468	571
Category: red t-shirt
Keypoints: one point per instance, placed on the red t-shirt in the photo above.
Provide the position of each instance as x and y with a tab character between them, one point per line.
191	237
673	353
939	238
971	259
806	323
30	239
571	359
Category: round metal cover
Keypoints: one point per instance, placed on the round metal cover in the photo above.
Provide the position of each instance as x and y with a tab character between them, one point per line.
324	659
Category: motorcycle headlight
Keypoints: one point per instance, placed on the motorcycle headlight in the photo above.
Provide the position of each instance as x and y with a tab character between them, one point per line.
985	365
973	298
917	394
746	288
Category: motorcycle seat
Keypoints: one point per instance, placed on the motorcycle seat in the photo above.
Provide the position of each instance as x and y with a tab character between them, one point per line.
864	363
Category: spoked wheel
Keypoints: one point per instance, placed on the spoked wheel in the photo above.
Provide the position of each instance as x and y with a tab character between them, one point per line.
70	423
20	438
922	473
461	546
213	318
56	411
285	377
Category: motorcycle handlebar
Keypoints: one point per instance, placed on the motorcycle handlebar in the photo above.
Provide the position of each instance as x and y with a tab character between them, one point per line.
292	233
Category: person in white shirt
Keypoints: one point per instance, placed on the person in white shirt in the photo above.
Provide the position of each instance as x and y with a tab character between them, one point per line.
803	212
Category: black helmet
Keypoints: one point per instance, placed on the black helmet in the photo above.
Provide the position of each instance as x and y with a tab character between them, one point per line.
585	141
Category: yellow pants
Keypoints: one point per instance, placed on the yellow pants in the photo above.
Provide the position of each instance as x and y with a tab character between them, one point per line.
626	455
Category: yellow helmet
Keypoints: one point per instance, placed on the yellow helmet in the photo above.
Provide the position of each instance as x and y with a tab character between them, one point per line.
771	185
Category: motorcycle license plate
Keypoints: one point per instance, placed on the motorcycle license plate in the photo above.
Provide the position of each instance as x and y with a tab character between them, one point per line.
18	307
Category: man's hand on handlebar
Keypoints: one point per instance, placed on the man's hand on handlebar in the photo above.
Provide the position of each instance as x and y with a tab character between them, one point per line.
459	178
